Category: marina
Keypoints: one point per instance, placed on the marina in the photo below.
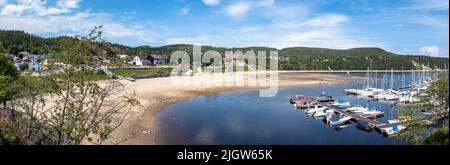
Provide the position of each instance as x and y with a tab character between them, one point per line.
294	116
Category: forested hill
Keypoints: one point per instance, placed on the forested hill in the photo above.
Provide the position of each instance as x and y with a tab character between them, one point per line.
295	58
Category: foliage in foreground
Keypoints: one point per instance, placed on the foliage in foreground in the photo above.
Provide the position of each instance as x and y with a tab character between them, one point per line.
71	107
420	132
437	137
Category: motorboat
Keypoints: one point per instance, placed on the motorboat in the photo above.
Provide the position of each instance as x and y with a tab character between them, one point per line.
394	129
365	92
325	98
296	98
351	91
341	104
362	125
392	97
341	121
304	104
323	113
372	112
361	110
357	109
403	99
315	109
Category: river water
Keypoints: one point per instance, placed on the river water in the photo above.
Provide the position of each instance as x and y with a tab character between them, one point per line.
244	118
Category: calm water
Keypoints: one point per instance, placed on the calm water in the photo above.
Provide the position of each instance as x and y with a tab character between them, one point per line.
245	118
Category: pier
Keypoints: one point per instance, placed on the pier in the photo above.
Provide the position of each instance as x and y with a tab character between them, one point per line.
370	119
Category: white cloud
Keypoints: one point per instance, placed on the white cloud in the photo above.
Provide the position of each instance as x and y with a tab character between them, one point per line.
68	4
285	26
238	10
431	51
39	7
37	17
327	20
211	2
185	11
197	40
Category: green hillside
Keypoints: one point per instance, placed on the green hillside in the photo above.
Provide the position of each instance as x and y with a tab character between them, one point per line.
294	58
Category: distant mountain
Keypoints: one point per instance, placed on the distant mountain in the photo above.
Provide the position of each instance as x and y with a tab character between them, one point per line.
294	58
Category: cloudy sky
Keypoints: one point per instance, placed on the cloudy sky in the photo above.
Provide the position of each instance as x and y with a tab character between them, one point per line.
401	26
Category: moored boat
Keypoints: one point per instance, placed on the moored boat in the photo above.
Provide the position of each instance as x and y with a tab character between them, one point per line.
341	104
341	121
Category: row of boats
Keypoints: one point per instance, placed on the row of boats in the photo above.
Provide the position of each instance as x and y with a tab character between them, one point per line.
385	91
316	108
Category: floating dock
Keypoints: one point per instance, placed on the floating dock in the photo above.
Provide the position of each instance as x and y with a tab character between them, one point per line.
370	119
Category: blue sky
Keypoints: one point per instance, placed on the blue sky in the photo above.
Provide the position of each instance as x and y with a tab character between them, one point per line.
401	26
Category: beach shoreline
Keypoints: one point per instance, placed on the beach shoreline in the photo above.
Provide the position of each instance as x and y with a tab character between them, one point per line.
156	94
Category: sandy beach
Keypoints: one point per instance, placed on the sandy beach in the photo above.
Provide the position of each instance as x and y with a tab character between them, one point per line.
155	94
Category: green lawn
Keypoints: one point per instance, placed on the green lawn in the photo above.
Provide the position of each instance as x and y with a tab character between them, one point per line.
138	72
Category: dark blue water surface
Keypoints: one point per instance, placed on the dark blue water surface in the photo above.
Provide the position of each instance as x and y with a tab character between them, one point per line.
245	118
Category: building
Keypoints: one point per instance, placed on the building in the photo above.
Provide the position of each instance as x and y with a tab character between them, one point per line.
33	66
123	57
34	62
48	62
157	59
140	61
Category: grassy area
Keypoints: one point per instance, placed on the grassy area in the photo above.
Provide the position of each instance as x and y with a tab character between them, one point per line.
79	75
34	85
138	72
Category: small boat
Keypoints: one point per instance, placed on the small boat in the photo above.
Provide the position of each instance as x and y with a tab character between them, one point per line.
341	121
395	129
362	110
341	104
351	91
391	97
362	125
323	113
357	109
315	109
296	98
372	112
325	98
304	104
365	92
379	96
403	99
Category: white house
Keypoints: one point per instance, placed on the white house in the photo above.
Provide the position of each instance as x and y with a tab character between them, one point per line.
33	66
123	57
137	61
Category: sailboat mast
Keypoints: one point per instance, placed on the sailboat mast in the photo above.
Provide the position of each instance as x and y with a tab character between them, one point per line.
392	79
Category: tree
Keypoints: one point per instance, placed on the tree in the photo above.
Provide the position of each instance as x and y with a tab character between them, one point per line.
71	108
436	104
23	67
8	74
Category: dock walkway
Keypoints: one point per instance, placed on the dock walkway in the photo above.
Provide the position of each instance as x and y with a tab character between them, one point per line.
370	119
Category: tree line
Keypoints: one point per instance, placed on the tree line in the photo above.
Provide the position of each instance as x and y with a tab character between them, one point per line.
295	58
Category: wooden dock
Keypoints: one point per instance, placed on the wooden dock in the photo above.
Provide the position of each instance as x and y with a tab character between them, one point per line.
370	119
